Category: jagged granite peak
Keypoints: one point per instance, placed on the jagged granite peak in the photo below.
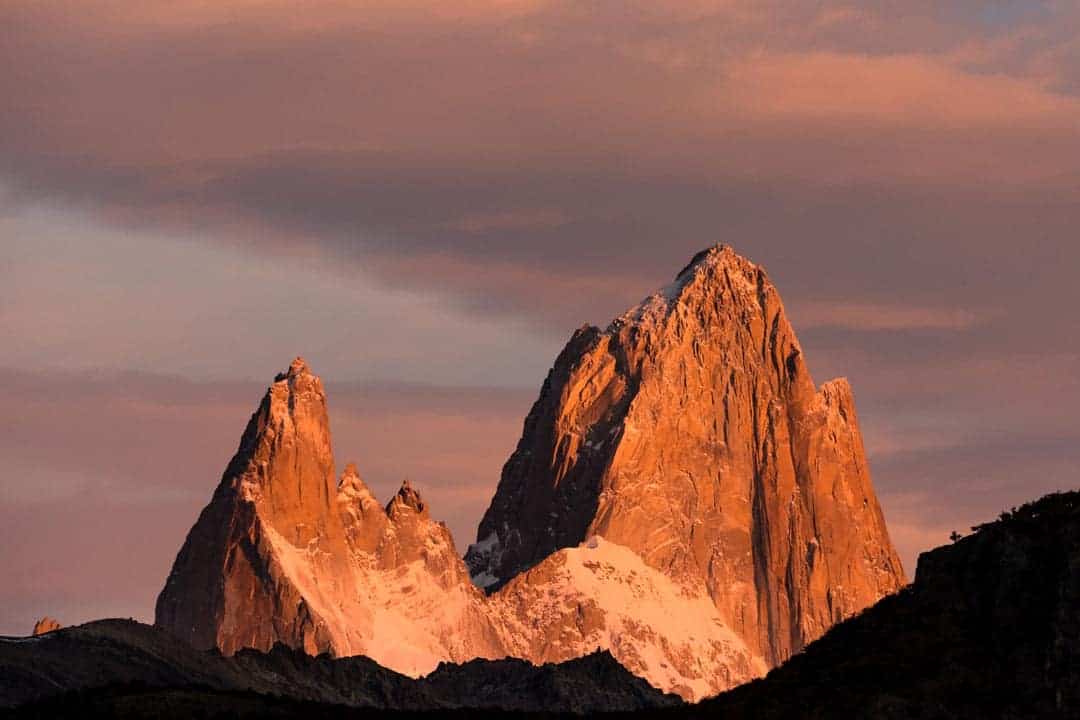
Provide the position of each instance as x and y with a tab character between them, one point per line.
407	498
229	587
285	553
362	515
351	484
45	625
690	431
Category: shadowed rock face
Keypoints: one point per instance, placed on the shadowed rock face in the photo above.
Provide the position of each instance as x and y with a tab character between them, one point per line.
691	432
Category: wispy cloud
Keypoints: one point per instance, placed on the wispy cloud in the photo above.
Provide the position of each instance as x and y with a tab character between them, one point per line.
870	316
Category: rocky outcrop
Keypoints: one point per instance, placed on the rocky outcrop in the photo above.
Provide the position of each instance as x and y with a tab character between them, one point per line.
46	625
690	432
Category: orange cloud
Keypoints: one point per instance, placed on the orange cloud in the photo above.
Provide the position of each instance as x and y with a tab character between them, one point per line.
892	91
870	316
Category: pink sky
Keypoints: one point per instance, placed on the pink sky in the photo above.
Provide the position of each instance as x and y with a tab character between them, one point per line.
425	199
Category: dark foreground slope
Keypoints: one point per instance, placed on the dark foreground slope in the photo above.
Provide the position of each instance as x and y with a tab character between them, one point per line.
126	669
989	629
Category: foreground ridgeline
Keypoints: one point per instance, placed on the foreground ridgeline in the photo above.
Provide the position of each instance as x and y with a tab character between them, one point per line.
989	629
682	496
121	668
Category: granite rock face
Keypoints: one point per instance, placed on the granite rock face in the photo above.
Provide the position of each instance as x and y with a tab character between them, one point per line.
691	432
46	625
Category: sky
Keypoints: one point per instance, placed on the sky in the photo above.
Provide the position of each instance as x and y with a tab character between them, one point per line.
425	199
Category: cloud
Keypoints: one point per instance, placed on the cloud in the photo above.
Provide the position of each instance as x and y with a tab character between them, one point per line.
861	316
896	91
565	142
82	296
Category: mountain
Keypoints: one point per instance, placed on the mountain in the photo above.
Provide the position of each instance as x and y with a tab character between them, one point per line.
682	496
286	553
108	666
690	432
988	629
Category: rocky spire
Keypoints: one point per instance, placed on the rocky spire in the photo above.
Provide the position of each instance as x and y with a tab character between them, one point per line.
228	588
353	489
690	431
362	516
407	498
46	625
285	553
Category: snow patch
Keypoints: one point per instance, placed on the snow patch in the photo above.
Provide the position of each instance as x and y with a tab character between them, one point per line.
603	595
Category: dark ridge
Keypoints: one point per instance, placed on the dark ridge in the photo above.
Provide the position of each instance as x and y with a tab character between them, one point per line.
126	669
989	629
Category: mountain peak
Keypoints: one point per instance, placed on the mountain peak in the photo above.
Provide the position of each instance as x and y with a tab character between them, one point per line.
406	497
696	406
711	255
715	268
352	485
298	367
716	276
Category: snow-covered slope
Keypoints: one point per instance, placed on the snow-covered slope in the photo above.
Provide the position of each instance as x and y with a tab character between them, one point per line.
600	595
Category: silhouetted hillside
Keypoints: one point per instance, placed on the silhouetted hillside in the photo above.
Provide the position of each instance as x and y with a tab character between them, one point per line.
989	629
123	668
